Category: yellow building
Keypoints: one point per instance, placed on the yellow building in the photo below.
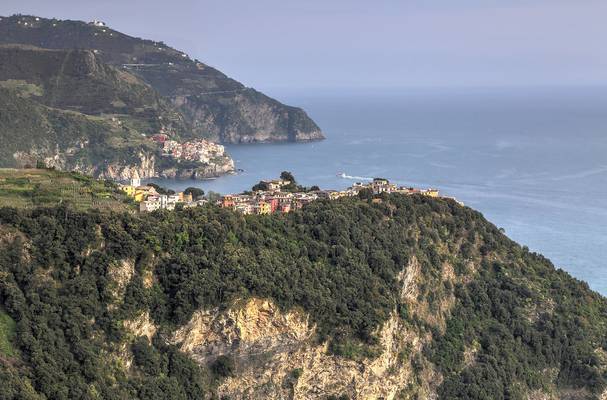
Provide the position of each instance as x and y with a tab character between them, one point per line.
185	198
431	193
128	190
142	192
265	208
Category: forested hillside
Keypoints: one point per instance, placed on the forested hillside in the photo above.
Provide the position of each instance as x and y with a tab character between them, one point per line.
212	105
105	305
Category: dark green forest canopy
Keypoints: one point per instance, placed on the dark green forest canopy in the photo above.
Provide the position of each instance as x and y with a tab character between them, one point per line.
337	260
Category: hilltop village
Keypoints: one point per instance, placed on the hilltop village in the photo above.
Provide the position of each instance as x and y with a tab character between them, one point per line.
278	195
275	196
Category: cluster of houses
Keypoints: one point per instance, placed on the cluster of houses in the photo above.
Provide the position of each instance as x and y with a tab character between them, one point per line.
274	199
199	150
150	200
268	201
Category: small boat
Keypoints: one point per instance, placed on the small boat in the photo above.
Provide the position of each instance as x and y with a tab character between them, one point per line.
342	175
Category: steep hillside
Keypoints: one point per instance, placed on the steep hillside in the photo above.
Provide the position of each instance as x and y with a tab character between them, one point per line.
78	80
74	112
214	105
403	297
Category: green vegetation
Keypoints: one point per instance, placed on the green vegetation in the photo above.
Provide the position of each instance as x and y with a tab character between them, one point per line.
511	318
70	106
27	188
223	366
229	114
195	192
160	189
292	186
7	334
22	88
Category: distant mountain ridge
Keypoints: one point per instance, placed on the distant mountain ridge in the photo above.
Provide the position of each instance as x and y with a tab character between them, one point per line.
213	105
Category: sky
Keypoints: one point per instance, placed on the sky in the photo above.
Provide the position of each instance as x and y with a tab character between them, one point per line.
273	44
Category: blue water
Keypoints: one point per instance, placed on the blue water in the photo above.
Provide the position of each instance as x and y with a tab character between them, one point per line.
533	161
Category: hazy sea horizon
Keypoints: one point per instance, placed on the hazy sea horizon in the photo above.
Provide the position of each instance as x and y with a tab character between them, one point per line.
532	160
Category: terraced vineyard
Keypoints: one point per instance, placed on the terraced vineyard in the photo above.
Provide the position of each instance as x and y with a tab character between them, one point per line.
25	188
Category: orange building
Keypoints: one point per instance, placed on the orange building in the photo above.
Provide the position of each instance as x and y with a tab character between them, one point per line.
227	202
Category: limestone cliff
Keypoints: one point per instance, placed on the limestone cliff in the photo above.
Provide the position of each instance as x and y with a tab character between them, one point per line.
278	356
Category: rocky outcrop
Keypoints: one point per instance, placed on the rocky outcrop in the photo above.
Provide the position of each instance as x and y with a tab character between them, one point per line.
141	326
144	166
277	355
252	118
120	274
223	167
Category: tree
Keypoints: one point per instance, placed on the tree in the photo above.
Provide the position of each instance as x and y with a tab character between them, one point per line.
223	366
213	196
195	192
365	194
287	176
260	186
161	190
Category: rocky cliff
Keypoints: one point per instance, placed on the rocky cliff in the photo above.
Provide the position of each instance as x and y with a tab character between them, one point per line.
213	105
277	356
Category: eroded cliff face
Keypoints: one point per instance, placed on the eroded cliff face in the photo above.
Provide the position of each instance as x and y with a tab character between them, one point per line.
251	118
278	356
223	167
145	165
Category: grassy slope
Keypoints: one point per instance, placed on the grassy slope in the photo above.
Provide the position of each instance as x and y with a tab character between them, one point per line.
78	80
37	187
26	125
7	334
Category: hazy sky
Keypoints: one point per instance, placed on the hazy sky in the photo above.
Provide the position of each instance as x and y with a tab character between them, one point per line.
372	43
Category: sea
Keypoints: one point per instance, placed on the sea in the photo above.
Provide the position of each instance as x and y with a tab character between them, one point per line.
532	160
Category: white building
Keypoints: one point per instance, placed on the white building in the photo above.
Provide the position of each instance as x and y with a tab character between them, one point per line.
135	181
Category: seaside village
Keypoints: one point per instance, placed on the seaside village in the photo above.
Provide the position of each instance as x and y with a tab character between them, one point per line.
272	199
200	150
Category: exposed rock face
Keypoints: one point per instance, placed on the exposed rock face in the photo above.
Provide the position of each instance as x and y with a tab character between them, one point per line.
141	326
278	358
143	166
246	330
253	118
277	355
120	274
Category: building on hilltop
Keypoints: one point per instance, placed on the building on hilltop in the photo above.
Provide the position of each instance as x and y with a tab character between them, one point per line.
97	23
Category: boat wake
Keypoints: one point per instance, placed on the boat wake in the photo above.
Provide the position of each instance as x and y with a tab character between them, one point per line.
343	175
